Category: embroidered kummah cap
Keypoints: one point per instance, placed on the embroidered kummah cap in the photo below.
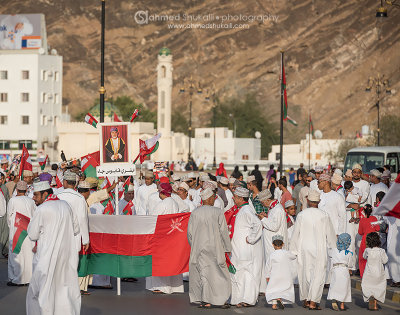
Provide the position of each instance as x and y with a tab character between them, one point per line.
241	192
336	179
348	173
319	168
376	173
131	188
338	171
206	193
4	161
27	173
311	174
209	184
84	184
386	174
149	174
343	241
41	186
191	175
175	187
184	186
325	177
175	177
70	176
251	178
356	167
204	178
224	181
264	195
314	196
289	203
277	237
21	185
232	180
93	181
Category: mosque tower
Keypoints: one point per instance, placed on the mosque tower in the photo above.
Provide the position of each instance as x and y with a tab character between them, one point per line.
164	88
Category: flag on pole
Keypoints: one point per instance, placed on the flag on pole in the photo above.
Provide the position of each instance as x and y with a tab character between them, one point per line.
59	178
91	120
124	187
291	120
134	115
109	208
147	147
25	163
89	163
116	118
21	224
43	163
390	205
128	209
136	246
311	126
283	88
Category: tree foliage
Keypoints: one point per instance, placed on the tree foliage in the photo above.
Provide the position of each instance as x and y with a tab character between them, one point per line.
340	155
390	130
249	117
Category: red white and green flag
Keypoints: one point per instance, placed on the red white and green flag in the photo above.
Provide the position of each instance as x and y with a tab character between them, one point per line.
147	147
89	163
124	187
91	120
21	223
137	246
134	115
59	178
128	209
42	162
291	120
108	206
311	126
283	90
26	163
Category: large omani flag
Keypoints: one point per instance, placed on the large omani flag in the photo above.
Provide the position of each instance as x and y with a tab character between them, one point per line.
136	246
390	205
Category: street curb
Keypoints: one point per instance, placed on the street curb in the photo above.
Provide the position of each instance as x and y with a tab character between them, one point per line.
391	294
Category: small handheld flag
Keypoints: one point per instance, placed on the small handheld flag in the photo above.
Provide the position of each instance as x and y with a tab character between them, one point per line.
91	120
134	115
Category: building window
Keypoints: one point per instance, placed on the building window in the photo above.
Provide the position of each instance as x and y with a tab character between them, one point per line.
3	75
162	99
163	71
3	97
318	156
4	144
25	120
56	76
44	120
55	122
245	157
44	75
24	97
44	97
308	156
162	121
3	120
207	135
25	74
27	143
56	98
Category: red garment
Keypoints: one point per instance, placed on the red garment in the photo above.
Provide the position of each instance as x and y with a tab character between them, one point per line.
364	228
221	170
286	196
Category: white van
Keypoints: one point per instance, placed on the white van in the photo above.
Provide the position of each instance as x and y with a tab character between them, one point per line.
373	157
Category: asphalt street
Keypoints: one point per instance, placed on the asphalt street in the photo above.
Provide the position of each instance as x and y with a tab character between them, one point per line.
136	300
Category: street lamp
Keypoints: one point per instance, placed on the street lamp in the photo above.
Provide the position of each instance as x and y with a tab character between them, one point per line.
379	83
234	124
192	87
382	11
211	95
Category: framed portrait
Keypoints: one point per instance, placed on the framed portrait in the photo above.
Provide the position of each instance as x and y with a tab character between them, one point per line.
114	143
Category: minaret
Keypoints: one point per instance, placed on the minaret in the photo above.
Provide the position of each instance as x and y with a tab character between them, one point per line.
164	87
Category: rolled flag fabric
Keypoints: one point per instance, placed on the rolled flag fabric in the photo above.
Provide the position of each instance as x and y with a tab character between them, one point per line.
390	205
26	163
291	120
134	115
231	267
21	223
91	120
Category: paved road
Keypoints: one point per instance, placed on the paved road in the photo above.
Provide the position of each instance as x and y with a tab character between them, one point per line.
136	300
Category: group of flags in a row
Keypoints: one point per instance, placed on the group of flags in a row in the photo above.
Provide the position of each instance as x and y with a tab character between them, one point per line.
93	121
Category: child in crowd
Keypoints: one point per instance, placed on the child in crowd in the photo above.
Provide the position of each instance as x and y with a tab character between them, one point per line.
352	195
341	261
373	283
280	289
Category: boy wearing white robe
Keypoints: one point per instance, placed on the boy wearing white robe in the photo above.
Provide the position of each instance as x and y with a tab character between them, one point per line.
172	284
20	265
373	283
54	287
143	193
247	252
341	262
280	289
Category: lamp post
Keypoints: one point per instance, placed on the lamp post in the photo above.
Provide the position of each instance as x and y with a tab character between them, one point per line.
192	87
102	90
382	11
379	83
211	95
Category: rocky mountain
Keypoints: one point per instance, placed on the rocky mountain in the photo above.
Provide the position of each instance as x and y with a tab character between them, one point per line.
331	49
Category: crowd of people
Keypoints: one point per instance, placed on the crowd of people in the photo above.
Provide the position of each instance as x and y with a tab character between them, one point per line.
252	236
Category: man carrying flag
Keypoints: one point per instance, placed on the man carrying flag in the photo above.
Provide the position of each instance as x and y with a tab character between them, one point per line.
126	205
26	163
20	210
42	163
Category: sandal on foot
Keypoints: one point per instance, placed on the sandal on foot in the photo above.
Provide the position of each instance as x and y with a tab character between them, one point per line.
335	306
280	304
275	307
306	304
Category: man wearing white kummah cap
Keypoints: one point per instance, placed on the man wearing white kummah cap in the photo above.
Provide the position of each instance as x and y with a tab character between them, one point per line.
314	183
361	184
54	287
312	236
127	205
224	185
376	185
247	252
209	281
143	193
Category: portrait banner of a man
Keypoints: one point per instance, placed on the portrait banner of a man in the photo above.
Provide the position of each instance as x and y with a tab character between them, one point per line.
114	143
